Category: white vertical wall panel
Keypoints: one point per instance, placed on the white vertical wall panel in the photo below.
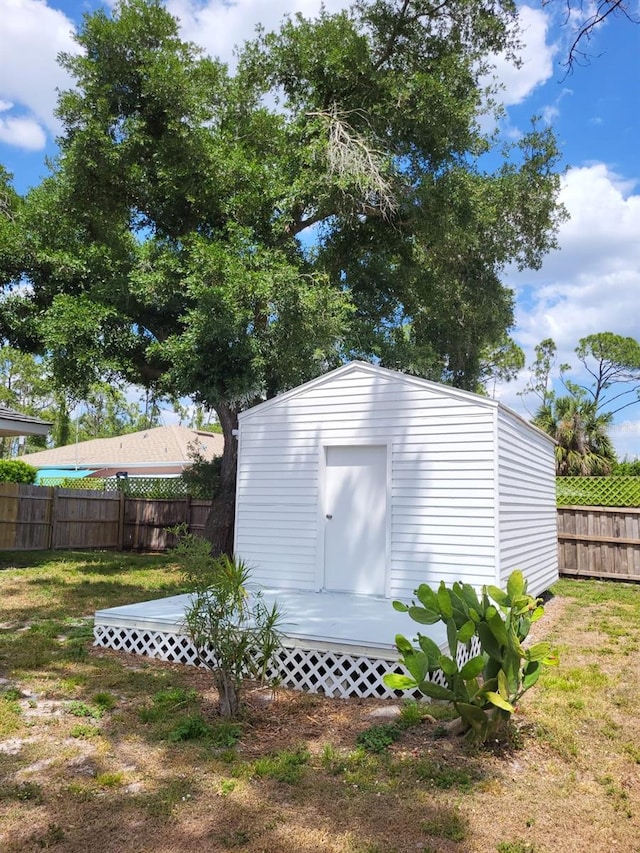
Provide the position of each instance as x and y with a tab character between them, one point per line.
527	503
446	507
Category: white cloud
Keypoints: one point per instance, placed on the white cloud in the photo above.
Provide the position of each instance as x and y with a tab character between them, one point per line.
626	438
536	58
594	280
33	34
23	133
591	285
218	26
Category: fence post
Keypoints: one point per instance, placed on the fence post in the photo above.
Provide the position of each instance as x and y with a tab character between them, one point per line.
121	516
187	513
53	516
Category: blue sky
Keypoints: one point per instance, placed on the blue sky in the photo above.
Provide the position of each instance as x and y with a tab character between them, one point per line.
592	284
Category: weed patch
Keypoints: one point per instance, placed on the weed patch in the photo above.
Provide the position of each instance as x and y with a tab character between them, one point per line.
283	766
446	824
379	738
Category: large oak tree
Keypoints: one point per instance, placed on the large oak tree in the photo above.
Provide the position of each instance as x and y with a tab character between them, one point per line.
228	235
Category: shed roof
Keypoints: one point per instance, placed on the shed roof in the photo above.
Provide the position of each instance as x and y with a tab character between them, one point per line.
393	375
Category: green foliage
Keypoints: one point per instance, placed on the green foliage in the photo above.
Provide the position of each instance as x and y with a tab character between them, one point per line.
500	363
105	701
579	420
233	630
202	478
226	734
614	362
166	703
283	766
583	447
17	471
135	487
84	730
485	690
598	491
379	738
21	792
412	713
627	468
192	727
446	824
441	775
516	847
82	709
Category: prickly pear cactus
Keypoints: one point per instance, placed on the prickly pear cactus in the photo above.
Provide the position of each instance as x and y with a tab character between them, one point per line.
485	690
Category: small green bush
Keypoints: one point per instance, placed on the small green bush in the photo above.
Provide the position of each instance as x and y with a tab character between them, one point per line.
17	471
234	632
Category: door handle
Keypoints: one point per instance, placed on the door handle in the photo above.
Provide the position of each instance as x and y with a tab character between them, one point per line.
328	515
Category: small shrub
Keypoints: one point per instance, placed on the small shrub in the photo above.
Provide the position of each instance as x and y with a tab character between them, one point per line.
17	471
105	701
233	631
227	786
165	703
412	713
189	728
22	792
447	825
81	709
84	730
226	734
442	776
109	780
515	847
53	836
283	766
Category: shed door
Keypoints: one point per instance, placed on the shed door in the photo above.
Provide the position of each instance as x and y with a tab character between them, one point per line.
356	519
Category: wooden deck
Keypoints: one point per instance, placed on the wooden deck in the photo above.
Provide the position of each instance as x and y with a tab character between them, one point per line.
325	621
337	644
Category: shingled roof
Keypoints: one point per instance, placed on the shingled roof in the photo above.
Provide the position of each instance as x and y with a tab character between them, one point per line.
161	448
15	423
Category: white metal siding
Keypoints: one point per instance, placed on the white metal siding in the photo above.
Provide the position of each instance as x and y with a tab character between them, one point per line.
527	504
442	492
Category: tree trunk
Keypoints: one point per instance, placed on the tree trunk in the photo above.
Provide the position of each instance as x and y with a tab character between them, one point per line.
220	523
229	704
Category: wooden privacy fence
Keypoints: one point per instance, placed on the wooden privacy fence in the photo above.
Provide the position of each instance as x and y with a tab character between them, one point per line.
40	517
146	521
602	542
34	518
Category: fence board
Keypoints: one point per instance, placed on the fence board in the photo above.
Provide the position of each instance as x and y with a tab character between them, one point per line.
601	542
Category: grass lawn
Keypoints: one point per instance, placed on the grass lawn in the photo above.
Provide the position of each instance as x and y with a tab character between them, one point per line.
101	751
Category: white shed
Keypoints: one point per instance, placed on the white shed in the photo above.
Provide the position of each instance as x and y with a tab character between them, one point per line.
371	482
356	488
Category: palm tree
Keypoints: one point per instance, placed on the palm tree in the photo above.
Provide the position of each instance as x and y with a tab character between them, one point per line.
583	448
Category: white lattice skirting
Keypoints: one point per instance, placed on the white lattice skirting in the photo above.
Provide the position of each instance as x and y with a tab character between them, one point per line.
332	673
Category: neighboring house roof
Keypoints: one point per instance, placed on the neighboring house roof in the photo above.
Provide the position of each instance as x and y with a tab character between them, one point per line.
160	447
15	423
